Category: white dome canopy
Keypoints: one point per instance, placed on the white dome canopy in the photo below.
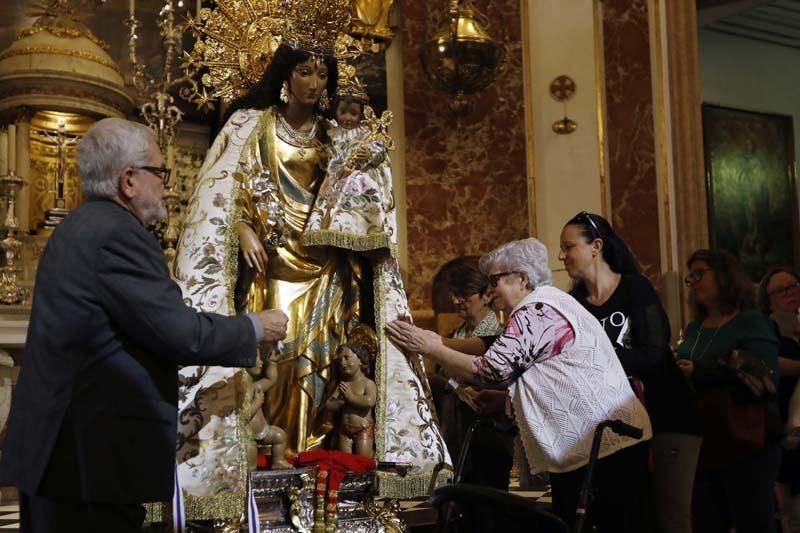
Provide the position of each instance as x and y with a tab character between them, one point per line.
64	69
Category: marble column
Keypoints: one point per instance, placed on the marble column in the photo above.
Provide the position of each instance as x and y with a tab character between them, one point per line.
465	174
687	128
633	180
23	152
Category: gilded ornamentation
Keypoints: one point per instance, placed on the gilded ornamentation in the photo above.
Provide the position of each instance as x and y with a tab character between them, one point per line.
349	85
64	33
63	18
314	25
237	39
371	22
301	515
52	50
235	42
386	516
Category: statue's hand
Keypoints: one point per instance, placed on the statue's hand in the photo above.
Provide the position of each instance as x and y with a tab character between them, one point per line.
274	322
253	251
346	391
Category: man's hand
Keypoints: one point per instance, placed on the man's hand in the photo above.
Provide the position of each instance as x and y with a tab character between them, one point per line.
274	321
412	338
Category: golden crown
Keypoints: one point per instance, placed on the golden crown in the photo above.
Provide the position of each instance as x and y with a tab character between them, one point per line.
349	85
314	25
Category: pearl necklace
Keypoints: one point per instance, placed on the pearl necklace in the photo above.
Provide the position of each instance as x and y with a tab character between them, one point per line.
296	138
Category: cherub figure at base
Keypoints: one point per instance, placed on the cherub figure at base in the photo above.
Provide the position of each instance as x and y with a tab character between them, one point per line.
263	433
353	400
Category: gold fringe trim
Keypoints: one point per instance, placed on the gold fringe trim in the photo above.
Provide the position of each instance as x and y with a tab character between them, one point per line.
350	241
231	259
157	512
381	366
413	486
225	505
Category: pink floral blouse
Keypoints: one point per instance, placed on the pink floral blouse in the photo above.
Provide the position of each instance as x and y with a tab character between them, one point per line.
531	336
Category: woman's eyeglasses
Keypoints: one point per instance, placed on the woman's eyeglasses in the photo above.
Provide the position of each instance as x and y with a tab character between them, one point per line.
494	279
695	275
785	290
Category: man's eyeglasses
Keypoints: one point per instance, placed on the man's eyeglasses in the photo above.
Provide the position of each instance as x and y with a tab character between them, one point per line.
588	217
695	275
784	291
162	172
494	279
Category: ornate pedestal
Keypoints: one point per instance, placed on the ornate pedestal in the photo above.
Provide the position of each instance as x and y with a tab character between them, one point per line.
285	503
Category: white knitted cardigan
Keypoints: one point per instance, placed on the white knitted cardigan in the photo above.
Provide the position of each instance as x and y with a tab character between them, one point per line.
558	402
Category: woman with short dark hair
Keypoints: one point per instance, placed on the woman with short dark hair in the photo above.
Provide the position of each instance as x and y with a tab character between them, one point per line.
730	356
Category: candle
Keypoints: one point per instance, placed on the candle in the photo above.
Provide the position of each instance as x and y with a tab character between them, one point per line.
12	148
3	153
130	7
199	6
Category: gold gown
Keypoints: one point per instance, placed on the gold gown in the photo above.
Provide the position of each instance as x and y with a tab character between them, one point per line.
314	286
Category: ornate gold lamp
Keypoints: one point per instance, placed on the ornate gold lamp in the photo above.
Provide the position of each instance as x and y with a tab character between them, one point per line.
10	290
462	58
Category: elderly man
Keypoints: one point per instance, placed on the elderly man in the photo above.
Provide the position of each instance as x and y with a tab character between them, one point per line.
92	428
563	378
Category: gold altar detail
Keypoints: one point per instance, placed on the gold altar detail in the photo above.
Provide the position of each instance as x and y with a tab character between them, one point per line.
371	22
54	180
10	290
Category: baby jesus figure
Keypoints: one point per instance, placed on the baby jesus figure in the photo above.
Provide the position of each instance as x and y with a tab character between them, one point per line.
355	206
354	399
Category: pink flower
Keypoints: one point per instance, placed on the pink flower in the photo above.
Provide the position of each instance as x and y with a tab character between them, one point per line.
353	184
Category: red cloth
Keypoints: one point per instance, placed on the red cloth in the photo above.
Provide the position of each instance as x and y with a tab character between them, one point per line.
333	466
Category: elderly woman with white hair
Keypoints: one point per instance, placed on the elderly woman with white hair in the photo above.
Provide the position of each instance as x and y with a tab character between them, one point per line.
563	378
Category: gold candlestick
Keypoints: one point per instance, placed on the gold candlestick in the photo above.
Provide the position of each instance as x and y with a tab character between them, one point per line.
10	290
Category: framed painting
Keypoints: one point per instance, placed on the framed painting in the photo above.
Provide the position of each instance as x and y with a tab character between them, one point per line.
750	177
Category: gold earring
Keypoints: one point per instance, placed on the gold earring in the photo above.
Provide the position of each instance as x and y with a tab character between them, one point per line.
324	101
284	96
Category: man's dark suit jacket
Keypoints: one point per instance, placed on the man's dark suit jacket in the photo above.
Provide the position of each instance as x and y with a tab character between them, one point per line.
93	416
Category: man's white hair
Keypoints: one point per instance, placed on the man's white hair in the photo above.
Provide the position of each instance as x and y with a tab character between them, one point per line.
111	145
527	255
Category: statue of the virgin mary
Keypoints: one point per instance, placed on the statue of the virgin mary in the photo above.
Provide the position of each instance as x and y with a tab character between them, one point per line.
243	249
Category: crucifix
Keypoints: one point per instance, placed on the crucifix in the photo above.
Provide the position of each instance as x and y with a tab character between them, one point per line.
63	143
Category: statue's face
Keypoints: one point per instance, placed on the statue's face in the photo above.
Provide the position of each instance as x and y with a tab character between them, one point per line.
349	362
308	80
348	114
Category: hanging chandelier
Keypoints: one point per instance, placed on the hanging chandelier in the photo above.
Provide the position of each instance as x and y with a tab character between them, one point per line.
462	58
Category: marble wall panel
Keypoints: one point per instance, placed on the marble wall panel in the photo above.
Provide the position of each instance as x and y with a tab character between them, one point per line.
465	175
630	130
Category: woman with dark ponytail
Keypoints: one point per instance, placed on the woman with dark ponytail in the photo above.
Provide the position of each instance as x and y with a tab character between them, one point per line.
608	284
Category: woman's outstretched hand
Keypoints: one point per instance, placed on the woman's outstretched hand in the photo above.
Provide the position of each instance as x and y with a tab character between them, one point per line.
253	251
412	338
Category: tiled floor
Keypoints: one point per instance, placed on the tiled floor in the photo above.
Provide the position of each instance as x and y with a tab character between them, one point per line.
413	511
9	517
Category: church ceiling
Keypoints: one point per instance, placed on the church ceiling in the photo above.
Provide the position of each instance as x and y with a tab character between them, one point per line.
770	21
